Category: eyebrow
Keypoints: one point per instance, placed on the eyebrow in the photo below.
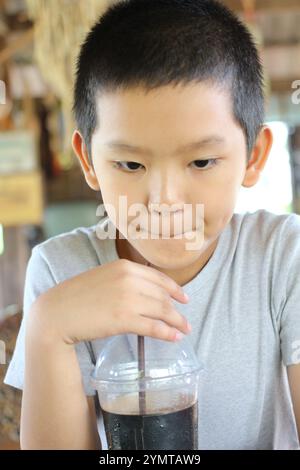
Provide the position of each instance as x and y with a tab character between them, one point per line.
129	148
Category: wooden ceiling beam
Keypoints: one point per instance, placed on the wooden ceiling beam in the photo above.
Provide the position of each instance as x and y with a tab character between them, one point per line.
282	86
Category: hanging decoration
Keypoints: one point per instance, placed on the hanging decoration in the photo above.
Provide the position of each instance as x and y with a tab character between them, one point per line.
59	29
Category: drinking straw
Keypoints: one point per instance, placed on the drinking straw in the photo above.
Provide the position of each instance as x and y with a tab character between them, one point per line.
141	370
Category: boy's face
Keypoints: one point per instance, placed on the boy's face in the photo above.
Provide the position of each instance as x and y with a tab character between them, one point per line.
161	123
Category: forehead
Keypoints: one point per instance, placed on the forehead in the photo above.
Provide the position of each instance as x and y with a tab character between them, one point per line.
176	114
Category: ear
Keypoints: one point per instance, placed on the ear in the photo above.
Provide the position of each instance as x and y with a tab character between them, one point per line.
81	152
259	157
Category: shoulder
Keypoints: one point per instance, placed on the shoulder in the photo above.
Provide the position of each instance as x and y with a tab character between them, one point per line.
78	238
67	254
266	229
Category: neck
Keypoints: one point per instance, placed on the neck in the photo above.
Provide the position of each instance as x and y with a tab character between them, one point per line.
181	276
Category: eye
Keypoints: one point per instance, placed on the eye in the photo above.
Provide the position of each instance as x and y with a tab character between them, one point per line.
131	168
202	164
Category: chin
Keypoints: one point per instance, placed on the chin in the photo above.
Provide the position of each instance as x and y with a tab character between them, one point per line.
167	254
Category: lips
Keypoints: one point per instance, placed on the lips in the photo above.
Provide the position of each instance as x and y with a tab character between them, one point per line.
171	235
168	233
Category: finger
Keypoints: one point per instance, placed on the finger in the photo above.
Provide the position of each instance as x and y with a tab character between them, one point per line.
163	309
156	303
155	329
163	280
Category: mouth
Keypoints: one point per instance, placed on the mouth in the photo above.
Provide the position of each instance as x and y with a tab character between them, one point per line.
173	235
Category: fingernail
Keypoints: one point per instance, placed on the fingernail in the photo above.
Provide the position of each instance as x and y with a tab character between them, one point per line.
178	336
186	296
189	327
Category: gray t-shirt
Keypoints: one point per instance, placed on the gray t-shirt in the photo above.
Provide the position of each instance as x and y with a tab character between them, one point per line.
245	313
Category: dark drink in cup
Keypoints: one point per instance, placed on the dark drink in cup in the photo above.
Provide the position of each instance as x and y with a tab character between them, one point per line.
168	429
155	408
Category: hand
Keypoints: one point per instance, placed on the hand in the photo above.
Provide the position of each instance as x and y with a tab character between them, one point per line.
115	298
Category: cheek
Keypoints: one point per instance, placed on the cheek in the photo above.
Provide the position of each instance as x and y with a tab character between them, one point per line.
114	186
111	187
222	200
121	207
219	202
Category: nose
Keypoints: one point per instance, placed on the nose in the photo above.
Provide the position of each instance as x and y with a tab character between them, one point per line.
166	203
166	193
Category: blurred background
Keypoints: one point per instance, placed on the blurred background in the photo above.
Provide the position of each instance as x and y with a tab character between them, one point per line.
42	190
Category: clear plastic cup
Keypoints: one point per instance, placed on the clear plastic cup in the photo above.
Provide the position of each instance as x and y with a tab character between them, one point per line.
149	397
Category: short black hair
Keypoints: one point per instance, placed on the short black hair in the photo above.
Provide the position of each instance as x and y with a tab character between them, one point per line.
151	43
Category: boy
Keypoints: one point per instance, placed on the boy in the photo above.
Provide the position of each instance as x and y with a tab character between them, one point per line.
169	107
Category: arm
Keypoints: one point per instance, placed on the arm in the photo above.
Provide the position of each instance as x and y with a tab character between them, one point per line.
56	414
293	372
